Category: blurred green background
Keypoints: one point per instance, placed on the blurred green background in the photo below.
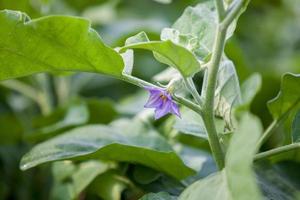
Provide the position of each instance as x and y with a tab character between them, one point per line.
267	41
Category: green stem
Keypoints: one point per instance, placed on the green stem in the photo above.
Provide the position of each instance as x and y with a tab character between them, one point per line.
267	134
191	87
22	88
62	89
275	124
233	12
208	108
220	9
46	95
29	92
276	151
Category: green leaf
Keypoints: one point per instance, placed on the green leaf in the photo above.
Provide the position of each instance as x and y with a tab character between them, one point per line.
296	128
288	98
166	52
201	22
128	141
280	181
237	180
52	44
239	159
190	123
109	186
75	114
158	196
228	93
145	175
250	88
71	180
286	104
101	111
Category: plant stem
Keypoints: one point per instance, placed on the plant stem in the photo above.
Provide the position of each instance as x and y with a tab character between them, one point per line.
191	87
275	124
29	92
275	151
46	94
233	12
22	88
220	9
267	134
208	108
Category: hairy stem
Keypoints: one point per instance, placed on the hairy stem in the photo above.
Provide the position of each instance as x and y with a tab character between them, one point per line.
208	107
276	151
220	9
191	87
275	124
233	12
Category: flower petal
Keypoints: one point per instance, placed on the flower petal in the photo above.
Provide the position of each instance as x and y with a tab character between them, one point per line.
154	101
154	90
175	110
163	110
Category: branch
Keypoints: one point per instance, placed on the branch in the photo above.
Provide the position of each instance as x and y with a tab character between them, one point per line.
220	9
232	13
191	87
276	151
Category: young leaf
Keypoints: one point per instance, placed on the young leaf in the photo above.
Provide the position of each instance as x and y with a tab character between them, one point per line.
201	22
166	52
237	180
134	144
52	44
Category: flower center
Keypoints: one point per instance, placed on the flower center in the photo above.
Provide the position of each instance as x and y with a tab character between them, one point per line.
163	97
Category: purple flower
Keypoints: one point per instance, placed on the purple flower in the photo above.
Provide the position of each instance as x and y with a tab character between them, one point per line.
161	100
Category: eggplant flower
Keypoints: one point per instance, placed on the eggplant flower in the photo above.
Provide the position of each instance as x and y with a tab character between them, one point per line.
161	100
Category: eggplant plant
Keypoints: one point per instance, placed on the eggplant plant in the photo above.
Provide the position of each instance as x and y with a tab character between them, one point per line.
187	134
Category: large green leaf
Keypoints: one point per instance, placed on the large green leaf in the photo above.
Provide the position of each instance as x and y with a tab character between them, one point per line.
52	44
126	141
237	180
166	52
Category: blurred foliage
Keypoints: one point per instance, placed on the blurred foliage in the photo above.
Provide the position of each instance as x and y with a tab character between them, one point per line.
266	41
